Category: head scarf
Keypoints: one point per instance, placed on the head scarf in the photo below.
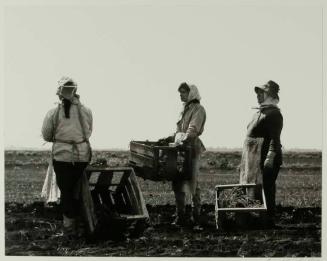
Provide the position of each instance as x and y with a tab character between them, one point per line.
63	84
193	94
63	80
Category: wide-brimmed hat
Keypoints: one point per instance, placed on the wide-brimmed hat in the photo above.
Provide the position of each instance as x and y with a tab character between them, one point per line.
270	87
67	87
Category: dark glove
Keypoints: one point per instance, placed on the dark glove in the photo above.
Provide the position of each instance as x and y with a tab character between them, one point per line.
166	141
269	161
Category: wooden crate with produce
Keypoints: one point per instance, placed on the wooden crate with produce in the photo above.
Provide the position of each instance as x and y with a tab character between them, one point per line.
159	162
235	200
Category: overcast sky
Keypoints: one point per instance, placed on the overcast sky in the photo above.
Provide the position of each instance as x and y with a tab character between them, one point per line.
128	61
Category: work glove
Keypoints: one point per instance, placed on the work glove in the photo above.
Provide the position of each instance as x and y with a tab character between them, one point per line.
269	161
180	138
166	141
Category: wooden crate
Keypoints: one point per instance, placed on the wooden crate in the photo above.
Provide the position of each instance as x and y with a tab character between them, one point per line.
158	163
118	201
220	212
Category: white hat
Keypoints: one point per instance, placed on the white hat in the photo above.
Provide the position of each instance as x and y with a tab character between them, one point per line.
67	87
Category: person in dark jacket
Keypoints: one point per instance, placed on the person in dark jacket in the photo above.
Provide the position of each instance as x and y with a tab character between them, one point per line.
267	123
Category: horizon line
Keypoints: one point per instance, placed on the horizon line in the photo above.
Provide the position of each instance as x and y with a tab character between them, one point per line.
127	149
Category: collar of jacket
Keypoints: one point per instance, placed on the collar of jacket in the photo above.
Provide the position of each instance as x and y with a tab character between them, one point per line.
186	107
74	101
266	106
187	104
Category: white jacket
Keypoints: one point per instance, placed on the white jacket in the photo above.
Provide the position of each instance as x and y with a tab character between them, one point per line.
67	132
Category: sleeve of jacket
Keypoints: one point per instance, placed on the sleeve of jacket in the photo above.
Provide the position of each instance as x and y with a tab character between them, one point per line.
90	120
195	126
87	118
275	125
48	126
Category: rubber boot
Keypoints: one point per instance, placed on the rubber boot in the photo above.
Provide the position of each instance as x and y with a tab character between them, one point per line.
69	225
80	227
196	207
180	219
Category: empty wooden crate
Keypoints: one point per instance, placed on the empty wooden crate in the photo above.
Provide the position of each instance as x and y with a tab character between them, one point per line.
118	200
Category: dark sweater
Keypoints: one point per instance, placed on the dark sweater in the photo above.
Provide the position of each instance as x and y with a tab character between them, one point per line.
267	123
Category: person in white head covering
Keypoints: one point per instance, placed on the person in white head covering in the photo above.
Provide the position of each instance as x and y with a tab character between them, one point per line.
189	127
68	127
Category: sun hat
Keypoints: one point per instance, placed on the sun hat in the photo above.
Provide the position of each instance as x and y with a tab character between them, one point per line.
67	87
271	87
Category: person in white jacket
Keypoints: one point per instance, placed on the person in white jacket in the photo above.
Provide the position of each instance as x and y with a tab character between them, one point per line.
69	127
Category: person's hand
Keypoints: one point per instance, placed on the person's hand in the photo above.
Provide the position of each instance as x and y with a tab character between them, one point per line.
162	140
165	141
269	161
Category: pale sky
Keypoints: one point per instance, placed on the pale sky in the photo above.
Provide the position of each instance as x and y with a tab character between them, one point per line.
128	61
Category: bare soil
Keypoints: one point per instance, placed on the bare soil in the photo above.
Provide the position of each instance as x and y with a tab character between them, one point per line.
36	230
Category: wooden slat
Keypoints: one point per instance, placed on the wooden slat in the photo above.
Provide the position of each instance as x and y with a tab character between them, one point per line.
147	143
216	211
142	149
134	202
107	169
235	185
241	209
111	184
120	202
121	189
104	179
87	205
139	194
107	199
123	179
133	216
127	199
141	160
93	178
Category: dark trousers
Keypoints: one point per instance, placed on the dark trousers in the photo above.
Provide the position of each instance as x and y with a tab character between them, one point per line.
269	176
67	175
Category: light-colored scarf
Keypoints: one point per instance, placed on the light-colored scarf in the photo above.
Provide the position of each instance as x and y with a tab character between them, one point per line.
193	95
269	101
